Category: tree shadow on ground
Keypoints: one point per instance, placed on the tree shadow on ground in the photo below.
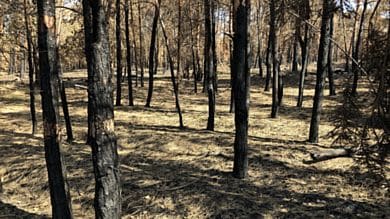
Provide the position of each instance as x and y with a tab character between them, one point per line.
8	211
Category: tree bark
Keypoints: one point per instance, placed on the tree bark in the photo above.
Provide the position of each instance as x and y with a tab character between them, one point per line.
209	62
268	65
141	48
321	69
30	70
241	85
152	51
356	51
128	55
107	201
59	189
171	65
275	61
118	54
332	89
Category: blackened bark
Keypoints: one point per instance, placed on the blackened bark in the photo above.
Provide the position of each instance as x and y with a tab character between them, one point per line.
294	67
194	67
107	201
171	66
209	62
59	189
141	48
321	70
30	70
134	43
302	74
214	48
259	40
275	61
64	102
88	34
178	73
152	52
128	55
118	54
332	89
231	24
356	51
268	65
241	65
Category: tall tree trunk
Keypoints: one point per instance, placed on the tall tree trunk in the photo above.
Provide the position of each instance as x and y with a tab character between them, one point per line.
305	54
118	54
321	69
259	39
64	102
294	67
209	62
194	67
214	47
305	60
178	73
141	48
268	64
241	66
88	35
332	89
171	65
231	21
134	43
275	61
356	52
128	55
30	70
107	201
59	189
152	51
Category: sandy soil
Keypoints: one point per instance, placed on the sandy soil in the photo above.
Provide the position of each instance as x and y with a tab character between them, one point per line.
172	173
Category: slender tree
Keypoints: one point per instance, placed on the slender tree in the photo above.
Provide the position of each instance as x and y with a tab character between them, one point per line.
356	51
209	62
172	69
332	89
304	51
128	54
275	60
118	54
107	201
141	48
327	10
59	189
30	70
241	85
152	51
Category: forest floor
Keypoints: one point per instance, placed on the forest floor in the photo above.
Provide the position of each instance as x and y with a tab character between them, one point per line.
169	172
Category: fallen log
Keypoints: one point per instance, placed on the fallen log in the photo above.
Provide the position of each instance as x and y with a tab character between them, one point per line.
329	154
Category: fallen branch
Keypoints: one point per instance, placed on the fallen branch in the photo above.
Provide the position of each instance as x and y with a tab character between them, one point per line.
328	155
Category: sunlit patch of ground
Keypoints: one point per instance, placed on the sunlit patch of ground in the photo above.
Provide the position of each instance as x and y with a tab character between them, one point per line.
171	172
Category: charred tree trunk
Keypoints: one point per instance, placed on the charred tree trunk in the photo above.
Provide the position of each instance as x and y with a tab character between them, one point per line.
30	70
178	73
259	39
294	67
88	35
172	68
152	51
305	60
141	48
305	52
268	65
128	55
118	54
194	67
275	61
332	89
356	51
134	43
241	85
59	189
321	69
209	62
64	102
107	201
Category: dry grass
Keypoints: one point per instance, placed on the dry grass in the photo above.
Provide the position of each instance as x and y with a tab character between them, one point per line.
169	172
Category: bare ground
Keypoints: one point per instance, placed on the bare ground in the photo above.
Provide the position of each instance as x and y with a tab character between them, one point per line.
169	172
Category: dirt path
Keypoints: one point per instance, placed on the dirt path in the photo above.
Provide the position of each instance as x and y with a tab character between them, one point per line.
168	172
